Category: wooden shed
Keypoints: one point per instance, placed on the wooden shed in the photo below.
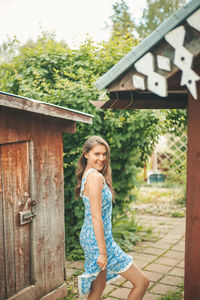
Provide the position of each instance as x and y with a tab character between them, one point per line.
32	251
163	71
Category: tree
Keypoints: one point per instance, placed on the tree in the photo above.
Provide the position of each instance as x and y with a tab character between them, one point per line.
155	13
122	22
48	71
9	49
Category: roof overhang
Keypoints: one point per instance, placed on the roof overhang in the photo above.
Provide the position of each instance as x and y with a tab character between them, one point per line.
135	100
161	69
47	109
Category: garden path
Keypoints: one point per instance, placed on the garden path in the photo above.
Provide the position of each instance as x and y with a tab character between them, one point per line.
162	259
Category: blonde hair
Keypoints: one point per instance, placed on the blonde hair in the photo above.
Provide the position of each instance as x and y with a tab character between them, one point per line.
82	162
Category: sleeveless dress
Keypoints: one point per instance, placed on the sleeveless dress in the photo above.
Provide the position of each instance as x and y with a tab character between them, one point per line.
118	260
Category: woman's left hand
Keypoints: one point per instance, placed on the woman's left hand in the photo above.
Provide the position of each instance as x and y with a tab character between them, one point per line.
102	261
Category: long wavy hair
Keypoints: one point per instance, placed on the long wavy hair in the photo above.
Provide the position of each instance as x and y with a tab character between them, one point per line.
82	162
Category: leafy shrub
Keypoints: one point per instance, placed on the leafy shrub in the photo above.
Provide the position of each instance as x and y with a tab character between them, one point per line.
125	230
50	71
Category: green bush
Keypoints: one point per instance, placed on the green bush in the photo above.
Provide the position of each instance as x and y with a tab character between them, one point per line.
50	71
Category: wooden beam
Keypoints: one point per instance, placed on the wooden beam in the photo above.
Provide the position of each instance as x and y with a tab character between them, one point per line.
125	81
25	104
69	127
131	100
192	249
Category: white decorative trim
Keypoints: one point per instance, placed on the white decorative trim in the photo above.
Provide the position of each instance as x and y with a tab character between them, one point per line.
155	82
194	20
80	289
85	178
176	37
183	59
138	82
163	63
125	269
97	273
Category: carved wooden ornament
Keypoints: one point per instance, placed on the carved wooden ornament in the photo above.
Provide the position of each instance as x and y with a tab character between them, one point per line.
155	82
183	59
138	82
194	20
163	63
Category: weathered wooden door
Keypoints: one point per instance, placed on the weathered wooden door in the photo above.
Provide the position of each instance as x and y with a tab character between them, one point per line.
15	235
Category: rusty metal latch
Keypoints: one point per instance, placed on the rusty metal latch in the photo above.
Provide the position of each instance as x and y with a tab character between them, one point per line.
26	217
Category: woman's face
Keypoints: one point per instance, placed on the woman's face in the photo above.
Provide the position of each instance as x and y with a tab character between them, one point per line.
96	157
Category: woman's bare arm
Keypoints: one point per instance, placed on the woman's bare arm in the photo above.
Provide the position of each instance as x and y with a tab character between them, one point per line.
94	188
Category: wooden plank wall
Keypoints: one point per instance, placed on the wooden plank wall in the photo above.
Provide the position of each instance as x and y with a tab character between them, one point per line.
12	127
8	212
47	190
192	251
15	181
45	158
2	247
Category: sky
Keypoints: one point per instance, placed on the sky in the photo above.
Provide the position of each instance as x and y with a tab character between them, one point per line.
71	20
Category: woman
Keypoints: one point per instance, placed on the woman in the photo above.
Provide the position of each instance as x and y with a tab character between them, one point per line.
104	259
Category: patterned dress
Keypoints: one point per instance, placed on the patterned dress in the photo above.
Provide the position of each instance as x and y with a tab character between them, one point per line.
118	261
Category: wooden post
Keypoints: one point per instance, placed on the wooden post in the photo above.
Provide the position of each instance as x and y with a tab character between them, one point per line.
192	250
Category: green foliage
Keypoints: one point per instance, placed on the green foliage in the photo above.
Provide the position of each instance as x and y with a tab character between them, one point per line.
125	230
122	21
175	121
155	13
9	49
50	71
178	214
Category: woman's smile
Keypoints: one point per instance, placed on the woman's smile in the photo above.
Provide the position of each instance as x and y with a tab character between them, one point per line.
96	157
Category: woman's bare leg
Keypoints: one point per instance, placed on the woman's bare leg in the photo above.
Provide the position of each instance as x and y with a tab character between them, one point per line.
139	280
98	286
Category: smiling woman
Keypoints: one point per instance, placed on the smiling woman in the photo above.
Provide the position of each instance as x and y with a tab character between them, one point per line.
96	157
96	154
104	259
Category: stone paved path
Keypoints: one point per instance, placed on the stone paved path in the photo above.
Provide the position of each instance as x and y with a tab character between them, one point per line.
161	260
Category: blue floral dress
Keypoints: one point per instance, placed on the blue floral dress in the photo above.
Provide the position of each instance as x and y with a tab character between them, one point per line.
118	261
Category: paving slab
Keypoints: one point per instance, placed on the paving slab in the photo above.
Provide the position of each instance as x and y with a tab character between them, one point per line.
162	289
142	245
174	254
173	237
119	281
153	276
171	280
163	245
168	261
158	268
121	293
145	257
153	250
108	289
149	296
181	264
128	284
140	263
177	272
162	260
